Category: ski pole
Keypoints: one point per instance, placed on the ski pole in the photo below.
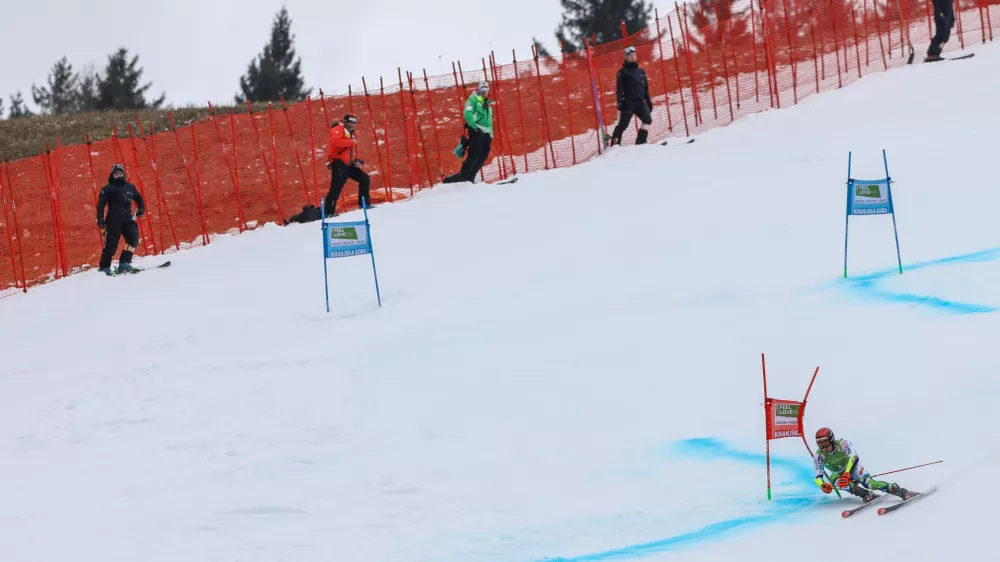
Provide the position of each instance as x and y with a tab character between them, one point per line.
910	468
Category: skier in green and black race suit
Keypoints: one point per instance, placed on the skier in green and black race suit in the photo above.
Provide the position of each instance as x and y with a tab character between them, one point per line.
840	459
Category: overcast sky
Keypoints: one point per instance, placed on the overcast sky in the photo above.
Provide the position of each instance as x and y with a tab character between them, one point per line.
196	50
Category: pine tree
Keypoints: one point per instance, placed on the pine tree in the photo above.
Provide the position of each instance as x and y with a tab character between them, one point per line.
1	109
119	87
17	107
275	73
58	97
600	19
86	96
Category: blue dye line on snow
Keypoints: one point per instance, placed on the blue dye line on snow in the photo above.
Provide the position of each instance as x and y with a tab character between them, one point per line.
870	285
713	449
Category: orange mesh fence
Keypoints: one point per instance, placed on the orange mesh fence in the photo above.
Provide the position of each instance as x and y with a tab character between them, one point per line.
707	64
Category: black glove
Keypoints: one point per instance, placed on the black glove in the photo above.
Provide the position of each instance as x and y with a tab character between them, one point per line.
359	162
103	227
140	213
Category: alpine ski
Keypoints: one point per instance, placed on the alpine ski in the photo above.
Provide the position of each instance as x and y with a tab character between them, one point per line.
908	501
849	512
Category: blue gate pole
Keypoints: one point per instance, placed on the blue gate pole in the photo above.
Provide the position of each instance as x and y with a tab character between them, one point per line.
326	279
892	209
371	250
847	212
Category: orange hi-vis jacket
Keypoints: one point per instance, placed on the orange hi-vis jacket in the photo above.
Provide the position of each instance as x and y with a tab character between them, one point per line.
342	145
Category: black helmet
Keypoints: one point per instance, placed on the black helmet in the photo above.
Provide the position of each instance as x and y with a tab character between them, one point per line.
351	118
825	437
116	168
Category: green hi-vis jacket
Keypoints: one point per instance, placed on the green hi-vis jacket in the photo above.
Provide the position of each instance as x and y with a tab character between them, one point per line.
479	114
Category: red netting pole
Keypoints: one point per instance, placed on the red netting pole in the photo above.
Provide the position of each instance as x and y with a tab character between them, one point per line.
53	176
864	15
150	146
958	19
385	127
600	87
989	21
93	187
505	115
725	65
878	28
437	138
326	116
10	239
836	42
57	183
406	133
17	227
736	61
812	35
753	36
857	44
792	49
242	219
677	71
461	73
498	118
378	151
711	69
196	187
770	53
520	110
274	153
142	189
120	157
312	141
663	72
420	129
690	64
230	166
374	139
569	108
298	155
593	85
46	168
267	165
545	113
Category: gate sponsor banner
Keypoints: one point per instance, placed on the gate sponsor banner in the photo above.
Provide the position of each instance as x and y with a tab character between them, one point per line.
784	418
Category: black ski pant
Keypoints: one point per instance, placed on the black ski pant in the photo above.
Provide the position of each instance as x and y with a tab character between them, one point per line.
625	117
116	230
944	20
339	174
480	144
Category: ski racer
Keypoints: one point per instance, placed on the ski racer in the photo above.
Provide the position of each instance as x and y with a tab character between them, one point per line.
839	457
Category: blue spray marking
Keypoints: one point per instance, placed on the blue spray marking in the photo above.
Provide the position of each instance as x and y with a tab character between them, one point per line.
712	449
870	285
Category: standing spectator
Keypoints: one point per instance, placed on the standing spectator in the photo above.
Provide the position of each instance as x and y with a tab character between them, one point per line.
944	20
633	99
479	124
343	164
119	222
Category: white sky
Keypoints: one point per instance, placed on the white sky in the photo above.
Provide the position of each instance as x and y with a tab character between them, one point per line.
196	50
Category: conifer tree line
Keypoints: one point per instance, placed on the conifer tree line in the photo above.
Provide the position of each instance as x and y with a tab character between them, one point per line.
276	72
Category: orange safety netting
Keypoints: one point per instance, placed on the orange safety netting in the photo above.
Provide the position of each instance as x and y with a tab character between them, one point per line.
708	64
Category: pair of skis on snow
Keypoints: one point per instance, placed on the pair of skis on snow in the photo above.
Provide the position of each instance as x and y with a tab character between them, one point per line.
889	508
140	269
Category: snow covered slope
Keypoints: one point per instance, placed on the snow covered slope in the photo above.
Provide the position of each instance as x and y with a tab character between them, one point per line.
563	368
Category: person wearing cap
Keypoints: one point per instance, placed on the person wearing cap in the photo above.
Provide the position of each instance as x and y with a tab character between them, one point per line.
119	222
343	163
633	99
479	124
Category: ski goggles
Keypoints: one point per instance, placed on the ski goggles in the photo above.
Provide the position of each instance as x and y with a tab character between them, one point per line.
629	50
825	444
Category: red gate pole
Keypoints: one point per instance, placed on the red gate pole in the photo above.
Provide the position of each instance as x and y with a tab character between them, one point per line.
437	138
680	85
160	194
197	187
385	127
663	73
520	110
312	142
378	151
406	133
10	239
420	129
242	219
298	157
767	426
17	227
267	165
93	188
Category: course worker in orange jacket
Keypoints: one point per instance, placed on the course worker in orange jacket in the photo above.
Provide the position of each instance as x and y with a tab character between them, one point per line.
343	164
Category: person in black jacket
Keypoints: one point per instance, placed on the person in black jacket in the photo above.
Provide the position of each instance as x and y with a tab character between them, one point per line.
633	99
944	20
119	222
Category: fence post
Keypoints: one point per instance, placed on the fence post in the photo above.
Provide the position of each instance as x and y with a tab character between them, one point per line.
267	165
93	188
406	133
598	124
17	227
680	84
420	129
569	109
663	72
520	110
545	113
145	194
371	114
10	239
505	122
437	138
56	235
230	167
243	224
312	142
197	188
160	194
298	157
385	128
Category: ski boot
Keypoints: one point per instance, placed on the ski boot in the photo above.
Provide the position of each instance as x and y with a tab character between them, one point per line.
900	492
106	271
865	494
933	58
125	268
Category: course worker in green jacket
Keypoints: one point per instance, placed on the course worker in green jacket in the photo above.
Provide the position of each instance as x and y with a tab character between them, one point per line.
478	115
